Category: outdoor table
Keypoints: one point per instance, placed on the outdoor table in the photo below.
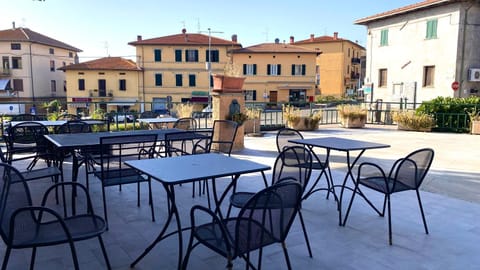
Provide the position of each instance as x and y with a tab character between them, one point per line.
343	145
69	142
159	122
186	169
57	122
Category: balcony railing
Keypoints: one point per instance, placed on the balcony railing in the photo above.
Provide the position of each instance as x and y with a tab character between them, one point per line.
5	72
355	61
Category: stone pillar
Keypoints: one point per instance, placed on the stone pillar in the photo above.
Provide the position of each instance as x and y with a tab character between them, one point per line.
221	101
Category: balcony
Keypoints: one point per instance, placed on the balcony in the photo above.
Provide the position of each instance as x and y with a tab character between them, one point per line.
355	61
5	72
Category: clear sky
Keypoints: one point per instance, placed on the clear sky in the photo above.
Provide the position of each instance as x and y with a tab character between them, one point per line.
104	27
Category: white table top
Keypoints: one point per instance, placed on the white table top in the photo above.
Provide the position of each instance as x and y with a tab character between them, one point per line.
157	120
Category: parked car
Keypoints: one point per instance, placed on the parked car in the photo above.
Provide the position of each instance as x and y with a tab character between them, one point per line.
122	117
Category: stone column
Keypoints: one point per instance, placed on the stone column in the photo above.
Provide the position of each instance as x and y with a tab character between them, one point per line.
221	101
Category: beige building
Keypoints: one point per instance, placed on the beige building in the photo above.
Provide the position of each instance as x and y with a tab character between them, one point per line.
175	67
338	66
277	72
30	62
109	83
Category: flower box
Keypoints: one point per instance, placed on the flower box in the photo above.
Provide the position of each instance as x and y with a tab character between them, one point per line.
353	122
222	83
304	123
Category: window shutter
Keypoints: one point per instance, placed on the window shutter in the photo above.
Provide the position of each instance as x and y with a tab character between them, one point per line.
158	55
279	68
207	55
196	55
244	69
304	67
178	55
254	69
268	69
293	69
254	94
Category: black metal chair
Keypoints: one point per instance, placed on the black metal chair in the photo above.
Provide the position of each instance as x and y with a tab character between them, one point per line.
74	126
27	141
264	220
24	225
115	150
186	123
68	117
148	114
294	163
406	174
282	141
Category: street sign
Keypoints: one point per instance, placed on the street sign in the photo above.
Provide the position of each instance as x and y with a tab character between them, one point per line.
455	86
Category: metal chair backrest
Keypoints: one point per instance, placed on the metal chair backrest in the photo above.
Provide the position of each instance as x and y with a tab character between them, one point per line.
223	136
267	217
412	169
148	114
283	137
74	126
186	123
26	117
293	162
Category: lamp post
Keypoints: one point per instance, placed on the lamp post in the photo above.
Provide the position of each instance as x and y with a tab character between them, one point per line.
209	62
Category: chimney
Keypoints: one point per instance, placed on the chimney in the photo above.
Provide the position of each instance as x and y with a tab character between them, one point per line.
292	40
312	37
184	31
139	38
13	25
277	41
335	35
234	38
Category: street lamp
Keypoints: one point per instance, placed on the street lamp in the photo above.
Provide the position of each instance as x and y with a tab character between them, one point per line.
209	62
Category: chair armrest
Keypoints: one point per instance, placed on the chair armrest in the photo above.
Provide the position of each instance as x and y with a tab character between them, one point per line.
377	170
76	188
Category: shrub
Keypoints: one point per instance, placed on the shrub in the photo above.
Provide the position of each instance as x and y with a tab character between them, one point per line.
352	111
413	120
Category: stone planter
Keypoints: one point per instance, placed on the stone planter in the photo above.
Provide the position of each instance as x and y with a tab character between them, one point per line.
303	124
407	128
475	127
249	126
222	83
353	122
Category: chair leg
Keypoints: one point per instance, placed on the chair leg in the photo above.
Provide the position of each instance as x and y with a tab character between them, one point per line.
187	254
305	233
421	210
105	206
389	220
6	257
74	256
285	252
138	194
350	204
104	251
150	199
32	258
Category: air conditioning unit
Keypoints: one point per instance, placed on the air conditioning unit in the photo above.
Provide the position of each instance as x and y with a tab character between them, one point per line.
474	74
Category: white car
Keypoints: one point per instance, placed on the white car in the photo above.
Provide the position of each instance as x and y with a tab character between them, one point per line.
121	118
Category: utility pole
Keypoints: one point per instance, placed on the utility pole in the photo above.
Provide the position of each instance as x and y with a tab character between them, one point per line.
209	63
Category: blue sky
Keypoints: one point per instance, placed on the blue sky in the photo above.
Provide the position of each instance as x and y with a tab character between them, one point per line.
104	27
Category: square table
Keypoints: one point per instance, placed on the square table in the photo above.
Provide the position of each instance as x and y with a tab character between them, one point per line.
185	169
343	145
159	122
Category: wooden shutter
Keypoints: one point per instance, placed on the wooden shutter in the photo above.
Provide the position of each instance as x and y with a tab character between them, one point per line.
244	69
293	69
279	69
268	69
254	69
304	67
178	55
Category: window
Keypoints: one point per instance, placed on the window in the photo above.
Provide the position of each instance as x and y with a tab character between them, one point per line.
158	79
431	29
178	80
298	70
16	62
52	65
122	85
81	84
274	69
215	56
5	64
384	37
53	86
250	95
249	69
192	80
64	86
428	76
191	55
157	55
382	77
18	85
70	54
51	51
178	55
16	46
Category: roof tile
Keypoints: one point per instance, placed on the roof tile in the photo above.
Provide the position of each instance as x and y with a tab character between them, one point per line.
106	63
26	35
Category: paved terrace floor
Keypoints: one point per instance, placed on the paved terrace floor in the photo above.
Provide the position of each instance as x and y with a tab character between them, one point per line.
451	199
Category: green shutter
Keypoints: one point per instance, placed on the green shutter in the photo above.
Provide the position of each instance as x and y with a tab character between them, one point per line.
178	55
191	80
268	69
384	37
196	55
244	69
254	69
254	94
431	29
207	56
304	69
158	55
293	69
279	69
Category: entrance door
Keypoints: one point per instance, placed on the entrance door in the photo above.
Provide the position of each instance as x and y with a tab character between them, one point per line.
102	88
273	96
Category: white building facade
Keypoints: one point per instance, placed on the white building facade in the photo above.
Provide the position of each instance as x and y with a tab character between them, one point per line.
418	52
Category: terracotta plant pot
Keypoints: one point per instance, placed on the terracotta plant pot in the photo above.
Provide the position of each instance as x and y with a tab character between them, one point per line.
475	127
353	122
304	124
222	83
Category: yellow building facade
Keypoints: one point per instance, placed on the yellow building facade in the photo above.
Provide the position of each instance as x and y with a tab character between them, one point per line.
277	72
109	83
339	64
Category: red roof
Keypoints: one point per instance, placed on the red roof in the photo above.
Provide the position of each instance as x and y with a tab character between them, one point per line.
274	48
106	63
324	39
184	39
406	9
26	35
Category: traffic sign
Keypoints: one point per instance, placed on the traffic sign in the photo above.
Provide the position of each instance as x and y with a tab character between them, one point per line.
455	86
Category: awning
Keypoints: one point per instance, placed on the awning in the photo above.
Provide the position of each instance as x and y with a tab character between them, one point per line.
199	99
5	84
121	102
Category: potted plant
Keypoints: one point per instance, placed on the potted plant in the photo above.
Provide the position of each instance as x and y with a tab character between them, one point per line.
352	116
252	125
295	119
410	120
230	81
474	121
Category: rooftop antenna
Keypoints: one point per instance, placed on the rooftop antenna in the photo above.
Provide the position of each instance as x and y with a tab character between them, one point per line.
198	25
266	34
183	24
106	48
209	63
